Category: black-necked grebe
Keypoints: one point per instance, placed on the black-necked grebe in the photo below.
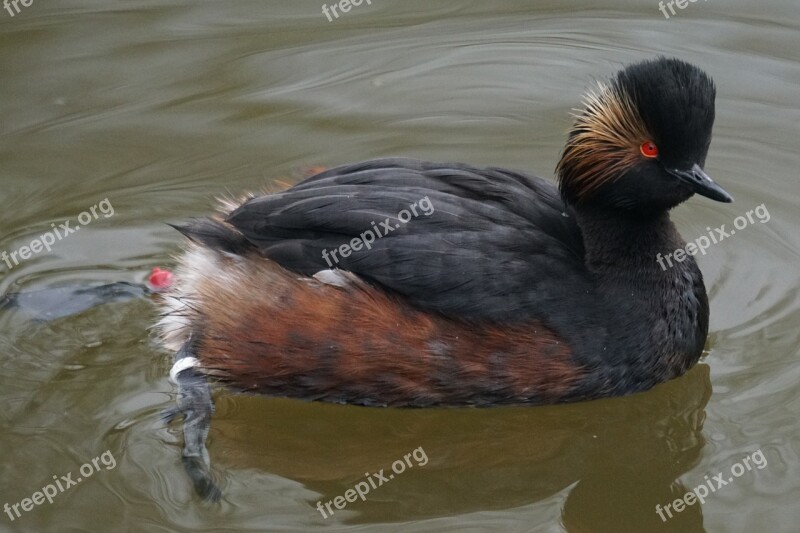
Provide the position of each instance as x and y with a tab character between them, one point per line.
397	282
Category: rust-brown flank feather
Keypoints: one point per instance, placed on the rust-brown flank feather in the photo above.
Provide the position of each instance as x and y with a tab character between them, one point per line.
265	329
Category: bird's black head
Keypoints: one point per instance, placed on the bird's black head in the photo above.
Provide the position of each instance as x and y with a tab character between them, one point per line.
640	143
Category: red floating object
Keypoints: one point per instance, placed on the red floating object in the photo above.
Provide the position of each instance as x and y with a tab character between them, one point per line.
160	279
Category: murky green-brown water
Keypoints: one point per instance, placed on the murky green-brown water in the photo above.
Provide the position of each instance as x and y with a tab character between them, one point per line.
160	106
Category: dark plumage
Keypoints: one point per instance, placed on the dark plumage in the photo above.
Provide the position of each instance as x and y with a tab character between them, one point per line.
500	289
483	221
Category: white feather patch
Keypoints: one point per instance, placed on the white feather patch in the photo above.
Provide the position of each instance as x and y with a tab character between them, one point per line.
337	278
180	365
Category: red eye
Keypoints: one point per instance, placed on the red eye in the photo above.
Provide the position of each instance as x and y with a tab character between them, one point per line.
649	149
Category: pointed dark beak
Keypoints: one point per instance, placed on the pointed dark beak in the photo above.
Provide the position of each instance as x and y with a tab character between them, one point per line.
701	183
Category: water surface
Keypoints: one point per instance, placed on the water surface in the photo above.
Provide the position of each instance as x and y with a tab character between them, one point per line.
158	107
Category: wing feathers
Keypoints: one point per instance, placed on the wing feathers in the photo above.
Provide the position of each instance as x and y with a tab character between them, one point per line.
451	238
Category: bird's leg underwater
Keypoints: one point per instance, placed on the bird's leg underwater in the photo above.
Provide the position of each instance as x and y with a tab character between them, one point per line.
196	406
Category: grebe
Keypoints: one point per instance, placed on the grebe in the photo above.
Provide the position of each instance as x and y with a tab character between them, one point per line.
500	288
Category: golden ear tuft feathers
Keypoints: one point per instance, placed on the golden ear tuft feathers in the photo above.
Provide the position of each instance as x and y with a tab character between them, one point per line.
604	141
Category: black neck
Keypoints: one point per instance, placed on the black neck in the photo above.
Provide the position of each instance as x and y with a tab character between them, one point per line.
655	318
620	244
